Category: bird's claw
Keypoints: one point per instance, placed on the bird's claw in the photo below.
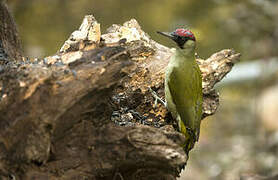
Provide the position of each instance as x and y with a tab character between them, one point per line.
191	133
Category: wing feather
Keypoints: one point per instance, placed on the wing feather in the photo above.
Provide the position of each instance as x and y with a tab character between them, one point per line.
186	94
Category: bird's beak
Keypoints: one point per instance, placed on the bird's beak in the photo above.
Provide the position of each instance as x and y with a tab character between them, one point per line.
166	34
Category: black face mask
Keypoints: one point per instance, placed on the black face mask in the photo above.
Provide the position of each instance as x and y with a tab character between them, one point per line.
180	40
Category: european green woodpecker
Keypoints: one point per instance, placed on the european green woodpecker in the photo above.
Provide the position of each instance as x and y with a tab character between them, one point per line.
183	86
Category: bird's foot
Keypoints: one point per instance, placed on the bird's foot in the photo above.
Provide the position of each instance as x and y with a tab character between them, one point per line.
191	133
157	98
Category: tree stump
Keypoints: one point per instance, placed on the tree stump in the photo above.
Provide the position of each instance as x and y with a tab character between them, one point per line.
87	112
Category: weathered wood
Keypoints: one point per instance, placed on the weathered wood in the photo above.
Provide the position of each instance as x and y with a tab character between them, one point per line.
87	111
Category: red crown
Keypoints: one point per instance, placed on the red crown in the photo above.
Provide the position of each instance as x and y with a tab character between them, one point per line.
185	33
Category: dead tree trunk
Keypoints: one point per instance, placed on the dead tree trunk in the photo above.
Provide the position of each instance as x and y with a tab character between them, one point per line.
87	112
8	35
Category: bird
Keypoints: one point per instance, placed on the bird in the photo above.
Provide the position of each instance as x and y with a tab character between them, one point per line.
183	86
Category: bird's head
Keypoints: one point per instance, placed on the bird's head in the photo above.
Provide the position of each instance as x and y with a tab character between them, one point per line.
181	37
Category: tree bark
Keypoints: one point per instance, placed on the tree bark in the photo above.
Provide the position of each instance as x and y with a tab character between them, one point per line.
87	111
10	47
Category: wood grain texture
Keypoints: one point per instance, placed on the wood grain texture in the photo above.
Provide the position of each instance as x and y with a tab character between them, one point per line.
87	113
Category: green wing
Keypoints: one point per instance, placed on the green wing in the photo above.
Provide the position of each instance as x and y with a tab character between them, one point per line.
185	87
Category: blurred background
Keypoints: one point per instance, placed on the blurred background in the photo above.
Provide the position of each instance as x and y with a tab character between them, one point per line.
242	137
